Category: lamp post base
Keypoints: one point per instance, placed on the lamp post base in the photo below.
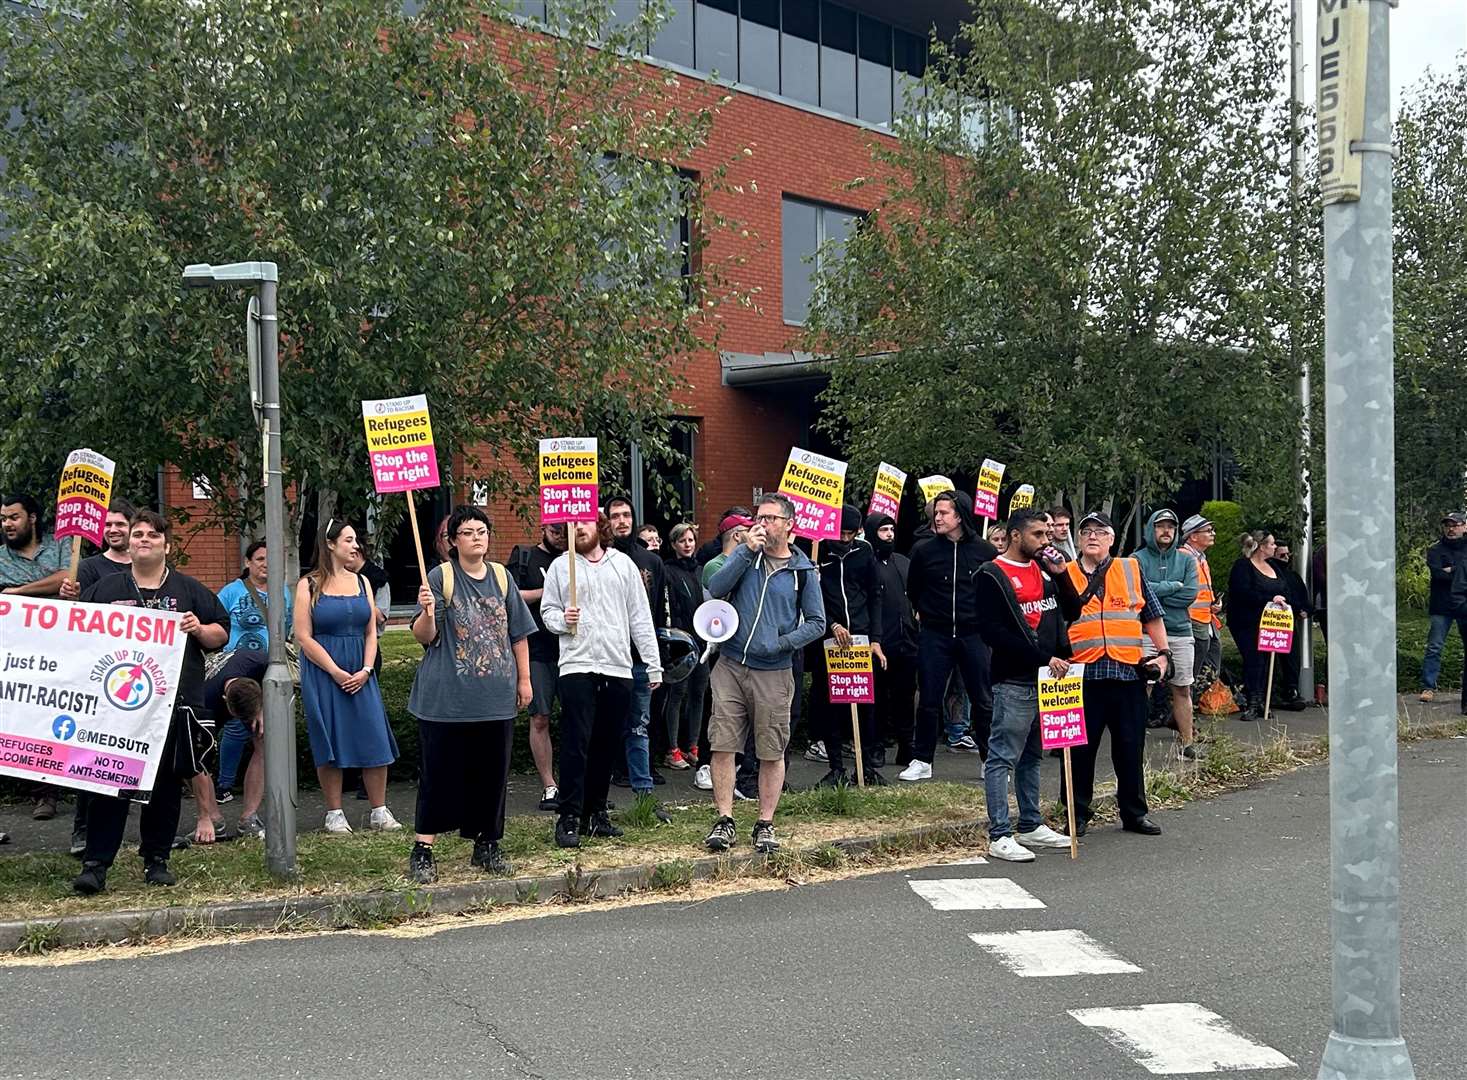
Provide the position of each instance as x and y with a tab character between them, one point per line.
1365	1059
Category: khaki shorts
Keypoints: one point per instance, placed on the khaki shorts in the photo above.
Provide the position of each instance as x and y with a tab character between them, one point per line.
1183	653
743	697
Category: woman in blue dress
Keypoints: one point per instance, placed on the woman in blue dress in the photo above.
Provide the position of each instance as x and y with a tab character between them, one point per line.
336	629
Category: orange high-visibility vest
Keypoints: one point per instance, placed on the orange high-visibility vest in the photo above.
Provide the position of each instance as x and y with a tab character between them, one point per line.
1201	609
1110	626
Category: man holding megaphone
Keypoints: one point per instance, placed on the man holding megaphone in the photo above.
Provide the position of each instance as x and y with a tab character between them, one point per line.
773	589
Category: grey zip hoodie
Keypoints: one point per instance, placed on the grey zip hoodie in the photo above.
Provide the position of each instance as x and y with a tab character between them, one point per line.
614	613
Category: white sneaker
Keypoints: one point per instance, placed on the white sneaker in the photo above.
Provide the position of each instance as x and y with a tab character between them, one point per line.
917	770
816	751
336	822
383	821
1009	850
1044	837
703	778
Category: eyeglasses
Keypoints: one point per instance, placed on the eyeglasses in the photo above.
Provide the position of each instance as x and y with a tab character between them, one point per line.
474	534
765	519
1093	531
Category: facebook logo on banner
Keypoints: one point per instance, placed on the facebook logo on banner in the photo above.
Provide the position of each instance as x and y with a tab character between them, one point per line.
63	727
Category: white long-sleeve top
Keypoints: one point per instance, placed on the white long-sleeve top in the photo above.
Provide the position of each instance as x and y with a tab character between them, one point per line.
614	614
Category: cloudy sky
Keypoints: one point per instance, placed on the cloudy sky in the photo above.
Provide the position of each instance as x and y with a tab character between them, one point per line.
1424	34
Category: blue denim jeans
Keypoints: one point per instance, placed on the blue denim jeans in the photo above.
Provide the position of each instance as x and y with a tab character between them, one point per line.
639	716
1436	640
1013	748
232	742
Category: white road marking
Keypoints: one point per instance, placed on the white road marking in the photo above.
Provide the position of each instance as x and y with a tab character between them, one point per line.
974	894
1051	953
1180	1037
976	860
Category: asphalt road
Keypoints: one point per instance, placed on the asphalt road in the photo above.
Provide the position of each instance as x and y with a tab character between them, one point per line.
1225	916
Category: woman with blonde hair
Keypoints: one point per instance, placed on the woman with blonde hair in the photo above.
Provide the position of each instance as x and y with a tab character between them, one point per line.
1253	584
336	629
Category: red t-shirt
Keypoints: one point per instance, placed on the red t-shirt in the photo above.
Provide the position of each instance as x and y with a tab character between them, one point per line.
1028	588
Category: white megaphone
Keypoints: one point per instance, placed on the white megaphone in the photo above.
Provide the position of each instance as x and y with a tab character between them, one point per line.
714	621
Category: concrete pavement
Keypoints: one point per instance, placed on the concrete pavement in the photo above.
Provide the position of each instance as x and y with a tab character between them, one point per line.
1225	916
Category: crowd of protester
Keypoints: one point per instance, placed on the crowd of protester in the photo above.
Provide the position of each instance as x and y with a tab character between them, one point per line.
960	626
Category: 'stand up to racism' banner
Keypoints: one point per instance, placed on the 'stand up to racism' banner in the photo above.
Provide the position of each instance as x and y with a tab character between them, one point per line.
569	481
849	671
886	495
816	485
1062	708
1276	629
81	501
990	479
400	444
86	692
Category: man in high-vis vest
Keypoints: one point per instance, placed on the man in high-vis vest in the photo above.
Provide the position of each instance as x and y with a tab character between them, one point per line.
1118	611
1198	534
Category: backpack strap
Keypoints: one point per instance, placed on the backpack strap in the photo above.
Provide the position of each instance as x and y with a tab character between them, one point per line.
447	567
501	575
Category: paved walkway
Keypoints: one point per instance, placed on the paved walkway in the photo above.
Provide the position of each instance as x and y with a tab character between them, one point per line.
524	790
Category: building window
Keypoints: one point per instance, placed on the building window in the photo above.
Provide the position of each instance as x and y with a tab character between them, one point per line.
799	51
873	72
838	59
716	37
620	15
812	238
910	62
759	44
674	40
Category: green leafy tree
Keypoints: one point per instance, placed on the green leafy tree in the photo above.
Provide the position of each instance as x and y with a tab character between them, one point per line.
1431	304
457	207
1076	266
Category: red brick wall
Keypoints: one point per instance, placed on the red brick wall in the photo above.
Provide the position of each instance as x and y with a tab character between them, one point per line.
209	554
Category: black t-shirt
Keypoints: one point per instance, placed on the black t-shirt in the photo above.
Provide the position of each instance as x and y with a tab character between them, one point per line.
243	664
94	568
179	593
528	566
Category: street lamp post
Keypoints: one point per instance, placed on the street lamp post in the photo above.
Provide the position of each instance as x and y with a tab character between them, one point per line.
1360	471
280	779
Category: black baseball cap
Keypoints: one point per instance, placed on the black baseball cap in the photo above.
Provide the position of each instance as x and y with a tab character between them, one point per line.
1456	517
1166	515
1096	515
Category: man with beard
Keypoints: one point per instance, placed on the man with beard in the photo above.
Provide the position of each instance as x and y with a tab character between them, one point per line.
596	636
151	583
528	566
32	562
943	586
896	678
851	589
113	558
639	768
1442	559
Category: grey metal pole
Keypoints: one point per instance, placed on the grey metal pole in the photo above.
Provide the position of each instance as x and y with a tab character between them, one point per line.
1365	855
280	778
1304	549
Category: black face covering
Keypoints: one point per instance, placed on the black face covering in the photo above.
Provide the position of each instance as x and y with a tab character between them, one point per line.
883	548
835	547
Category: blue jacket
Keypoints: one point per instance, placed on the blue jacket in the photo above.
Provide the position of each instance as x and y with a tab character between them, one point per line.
776	616
1172	575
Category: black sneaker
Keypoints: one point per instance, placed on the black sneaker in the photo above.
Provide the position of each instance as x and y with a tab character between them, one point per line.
420	864
620	780
598	824
657	777
878	758
91	880
722	836
550	800
764	841
223	795
875	779
834	778
1192	752
78	842
487	856
566	833
156	872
